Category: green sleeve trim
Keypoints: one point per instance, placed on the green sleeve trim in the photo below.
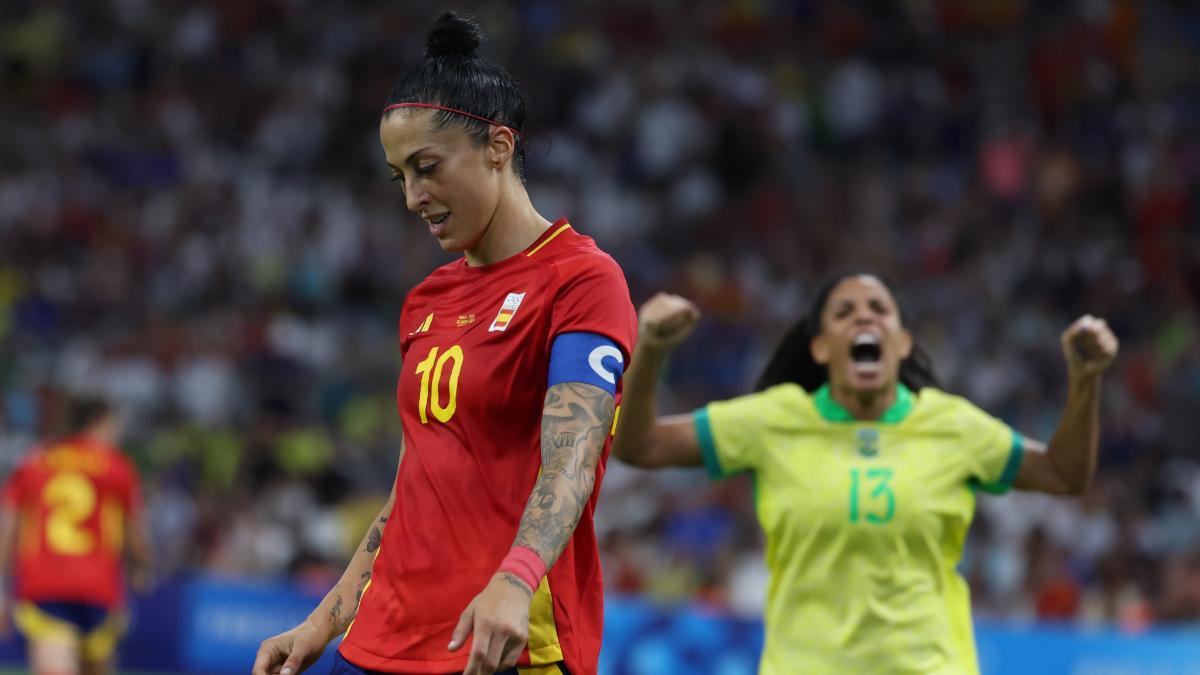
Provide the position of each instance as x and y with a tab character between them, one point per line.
1015	455
708	447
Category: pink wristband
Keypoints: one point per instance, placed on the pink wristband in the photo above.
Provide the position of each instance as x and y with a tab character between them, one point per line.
525	564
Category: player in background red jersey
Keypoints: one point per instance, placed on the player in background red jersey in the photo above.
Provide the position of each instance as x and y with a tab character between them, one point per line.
484	557
72	510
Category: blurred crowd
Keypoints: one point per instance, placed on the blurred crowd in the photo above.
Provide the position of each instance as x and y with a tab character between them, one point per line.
195	220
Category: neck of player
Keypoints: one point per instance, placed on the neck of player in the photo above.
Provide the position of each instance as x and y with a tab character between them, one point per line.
514	225
864	405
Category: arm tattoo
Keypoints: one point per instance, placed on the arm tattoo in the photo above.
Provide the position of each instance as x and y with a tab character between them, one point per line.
362	586
374	539
575	423
513	581
340	623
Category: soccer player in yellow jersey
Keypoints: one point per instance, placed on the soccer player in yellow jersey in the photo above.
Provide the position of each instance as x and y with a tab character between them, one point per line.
865	475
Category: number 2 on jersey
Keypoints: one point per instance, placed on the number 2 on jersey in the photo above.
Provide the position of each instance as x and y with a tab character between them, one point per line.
880	501
70	499
431	380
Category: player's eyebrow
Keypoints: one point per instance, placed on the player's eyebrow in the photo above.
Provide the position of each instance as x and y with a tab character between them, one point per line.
412	157
411	160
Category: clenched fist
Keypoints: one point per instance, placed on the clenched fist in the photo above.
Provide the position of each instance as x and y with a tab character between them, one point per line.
666	320
1089	346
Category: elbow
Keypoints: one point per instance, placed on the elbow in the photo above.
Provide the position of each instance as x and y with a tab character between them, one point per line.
637	452
624	452
1072	485
1077	487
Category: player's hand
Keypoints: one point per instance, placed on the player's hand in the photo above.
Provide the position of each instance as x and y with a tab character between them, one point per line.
1089	346
291	652
499	620
666	320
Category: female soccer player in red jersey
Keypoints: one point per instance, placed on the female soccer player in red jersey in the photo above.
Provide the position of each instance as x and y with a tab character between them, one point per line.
484	557
71	511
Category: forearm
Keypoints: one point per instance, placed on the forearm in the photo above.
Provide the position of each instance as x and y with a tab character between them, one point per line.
340	605
1073	448
575	424
639	403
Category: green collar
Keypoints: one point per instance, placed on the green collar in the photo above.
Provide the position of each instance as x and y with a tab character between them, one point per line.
833	411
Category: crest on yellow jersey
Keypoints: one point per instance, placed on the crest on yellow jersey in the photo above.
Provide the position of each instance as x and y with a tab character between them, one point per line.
867	442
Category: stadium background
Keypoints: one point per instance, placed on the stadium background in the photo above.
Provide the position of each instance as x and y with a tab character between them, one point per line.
195	220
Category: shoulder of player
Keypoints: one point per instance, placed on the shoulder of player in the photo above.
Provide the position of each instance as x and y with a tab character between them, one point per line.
579	256
941	407
441	274
122	460
788	399
434	283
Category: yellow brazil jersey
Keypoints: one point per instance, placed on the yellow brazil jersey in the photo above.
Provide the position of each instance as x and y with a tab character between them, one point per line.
864	522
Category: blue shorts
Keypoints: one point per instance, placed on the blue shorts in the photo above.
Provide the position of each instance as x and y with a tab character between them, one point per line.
343	667
85	617
95	628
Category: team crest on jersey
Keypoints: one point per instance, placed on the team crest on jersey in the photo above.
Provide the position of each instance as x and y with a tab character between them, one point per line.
506	313
868	442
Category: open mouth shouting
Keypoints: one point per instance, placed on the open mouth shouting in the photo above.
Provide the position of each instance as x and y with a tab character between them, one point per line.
866	355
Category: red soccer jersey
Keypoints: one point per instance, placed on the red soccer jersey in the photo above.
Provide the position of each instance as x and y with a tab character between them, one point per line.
73	499
476	348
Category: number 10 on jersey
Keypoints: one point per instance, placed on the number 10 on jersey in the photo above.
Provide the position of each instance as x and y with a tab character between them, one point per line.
431	371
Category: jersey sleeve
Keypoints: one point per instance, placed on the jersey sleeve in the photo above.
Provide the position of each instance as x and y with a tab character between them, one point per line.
994	449
731	432
593	297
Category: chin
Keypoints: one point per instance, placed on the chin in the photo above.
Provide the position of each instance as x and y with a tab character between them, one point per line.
450	245
867	386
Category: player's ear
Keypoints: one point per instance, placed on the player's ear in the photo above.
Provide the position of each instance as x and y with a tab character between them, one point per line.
500	147
906	343
819	348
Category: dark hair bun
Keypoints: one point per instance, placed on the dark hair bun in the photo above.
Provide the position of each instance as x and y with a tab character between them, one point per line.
453	35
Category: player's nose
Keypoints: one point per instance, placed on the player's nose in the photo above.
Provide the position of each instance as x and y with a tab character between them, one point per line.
416	199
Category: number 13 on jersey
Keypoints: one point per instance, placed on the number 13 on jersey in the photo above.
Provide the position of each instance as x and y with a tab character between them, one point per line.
877	501
431	370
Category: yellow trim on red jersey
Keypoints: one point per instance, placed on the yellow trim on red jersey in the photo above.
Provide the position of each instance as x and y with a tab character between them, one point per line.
365	588
565	226
360	599
112	525
544	648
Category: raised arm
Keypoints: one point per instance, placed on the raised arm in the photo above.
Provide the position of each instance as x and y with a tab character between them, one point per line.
1065	465
576	419
643	439
301	646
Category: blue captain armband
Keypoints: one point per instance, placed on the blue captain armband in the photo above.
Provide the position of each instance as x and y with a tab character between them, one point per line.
586	357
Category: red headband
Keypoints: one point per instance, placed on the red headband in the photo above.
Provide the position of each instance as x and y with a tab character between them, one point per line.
453	110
